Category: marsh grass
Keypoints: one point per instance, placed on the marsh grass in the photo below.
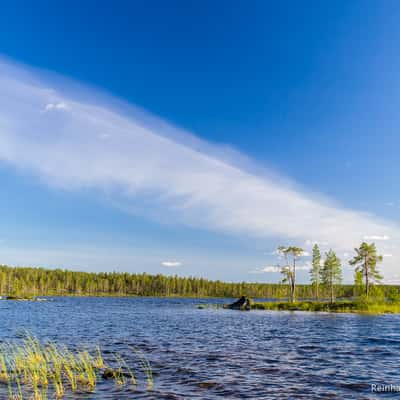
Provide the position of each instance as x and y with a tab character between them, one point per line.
33	370
146	367
360	306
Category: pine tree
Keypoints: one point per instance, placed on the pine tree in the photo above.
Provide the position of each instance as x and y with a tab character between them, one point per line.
365	260
331	273
315	271
291	254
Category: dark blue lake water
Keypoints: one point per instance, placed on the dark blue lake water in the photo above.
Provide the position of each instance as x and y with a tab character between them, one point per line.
215	353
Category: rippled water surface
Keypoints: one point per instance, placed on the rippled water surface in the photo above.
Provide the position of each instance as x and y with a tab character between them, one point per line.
215	353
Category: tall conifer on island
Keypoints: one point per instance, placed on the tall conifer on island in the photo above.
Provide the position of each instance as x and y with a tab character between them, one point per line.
331	273
315	271
365	260
291	254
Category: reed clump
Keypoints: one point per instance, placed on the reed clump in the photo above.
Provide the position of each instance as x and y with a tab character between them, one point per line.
39	371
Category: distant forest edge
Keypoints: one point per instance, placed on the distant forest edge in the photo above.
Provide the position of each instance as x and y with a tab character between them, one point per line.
28	281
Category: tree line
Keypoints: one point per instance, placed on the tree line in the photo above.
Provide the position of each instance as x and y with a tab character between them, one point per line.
29	281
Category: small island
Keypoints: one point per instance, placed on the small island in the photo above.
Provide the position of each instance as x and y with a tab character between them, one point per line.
368	297
361	307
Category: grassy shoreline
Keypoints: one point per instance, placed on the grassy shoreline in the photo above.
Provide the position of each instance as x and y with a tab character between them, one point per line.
359	307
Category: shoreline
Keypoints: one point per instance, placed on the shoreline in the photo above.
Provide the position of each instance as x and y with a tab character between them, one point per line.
340	306
352	307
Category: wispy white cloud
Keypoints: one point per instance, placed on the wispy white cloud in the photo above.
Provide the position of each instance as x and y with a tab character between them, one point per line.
303	267
310	242
376	237
149	167
55	106
277	268
171	263
268	269
392	281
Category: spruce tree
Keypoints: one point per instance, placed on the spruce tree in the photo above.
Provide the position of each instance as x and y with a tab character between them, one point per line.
331	273
315	271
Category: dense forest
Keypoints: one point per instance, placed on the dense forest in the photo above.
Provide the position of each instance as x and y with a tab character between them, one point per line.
24	281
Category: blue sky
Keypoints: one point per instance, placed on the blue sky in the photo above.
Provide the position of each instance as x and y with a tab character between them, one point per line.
221	130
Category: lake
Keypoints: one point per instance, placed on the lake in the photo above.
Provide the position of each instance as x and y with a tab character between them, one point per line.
215	353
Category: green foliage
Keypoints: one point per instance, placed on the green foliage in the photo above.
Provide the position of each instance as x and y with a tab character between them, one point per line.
315	271
288	278
377	294
365	261
331	273
393	294
359	288
26	282
359	306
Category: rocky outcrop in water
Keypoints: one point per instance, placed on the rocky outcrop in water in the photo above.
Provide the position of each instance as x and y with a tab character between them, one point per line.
243	304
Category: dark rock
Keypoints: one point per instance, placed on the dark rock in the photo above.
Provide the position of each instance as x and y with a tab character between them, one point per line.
243	304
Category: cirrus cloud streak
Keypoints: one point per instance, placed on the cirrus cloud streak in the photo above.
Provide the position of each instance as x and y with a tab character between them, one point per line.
149	167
